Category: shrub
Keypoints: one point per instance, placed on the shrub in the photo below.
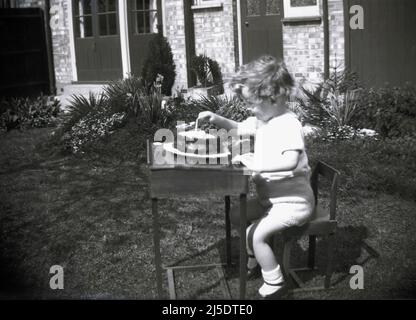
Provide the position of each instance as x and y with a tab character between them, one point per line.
180	109
151	112
370	164
88	120
159	61
92	128
207	72
389	111
81	106
332	105
28	112
122	95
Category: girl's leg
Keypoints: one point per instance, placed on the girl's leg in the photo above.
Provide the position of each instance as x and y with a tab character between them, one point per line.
266	228
272	274
280	217
254	211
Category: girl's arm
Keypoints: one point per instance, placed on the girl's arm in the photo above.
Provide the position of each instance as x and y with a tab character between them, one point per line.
218	120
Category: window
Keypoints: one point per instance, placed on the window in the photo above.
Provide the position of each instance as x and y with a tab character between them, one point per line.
145	16
83	18
107	17
206	4
301	8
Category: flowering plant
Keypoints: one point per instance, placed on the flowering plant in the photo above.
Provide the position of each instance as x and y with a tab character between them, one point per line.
91	128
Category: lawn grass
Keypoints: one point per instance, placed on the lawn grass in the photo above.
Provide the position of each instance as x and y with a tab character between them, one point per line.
93	218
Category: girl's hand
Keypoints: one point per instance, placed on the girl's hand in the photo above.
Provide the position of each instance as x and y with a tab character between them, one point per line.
206	116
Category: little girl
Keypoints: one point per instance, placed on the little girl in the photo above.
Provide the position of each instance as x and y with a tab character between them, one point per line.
279	164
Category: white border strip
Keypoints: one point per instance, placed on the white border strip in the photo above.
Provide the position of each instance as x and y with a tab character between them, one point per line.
124	37
72	42
240	42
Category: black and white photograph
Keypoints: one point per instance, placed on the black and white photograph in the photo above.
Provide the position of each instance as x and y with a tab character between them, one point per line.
209	151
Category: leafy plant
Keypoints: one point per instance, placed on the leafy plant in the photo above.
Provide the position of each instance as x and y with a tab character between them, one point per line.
122	95
36	112
316	101
151	112
341	107
207	71
391	111
159	61
81	106
331	105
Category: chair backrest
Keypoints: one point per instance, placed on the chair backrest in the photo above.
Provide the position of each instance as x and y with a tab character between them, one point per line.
331	175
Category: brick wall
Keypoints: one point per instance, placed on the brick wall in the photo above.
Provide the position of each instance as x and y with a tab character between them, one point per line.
303	44
215	31
214	35
175	33
60	42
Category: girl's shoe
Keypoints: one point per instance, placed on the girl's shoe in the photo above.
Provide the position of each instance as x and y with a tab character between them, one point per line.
276	294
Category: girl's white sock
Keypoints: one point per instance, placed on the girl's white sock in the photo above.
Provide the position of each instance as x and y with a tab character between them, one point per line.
273	281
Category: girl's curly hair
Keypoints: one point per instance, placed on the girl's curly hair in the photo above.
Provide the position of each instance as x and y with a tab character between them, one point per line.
265	78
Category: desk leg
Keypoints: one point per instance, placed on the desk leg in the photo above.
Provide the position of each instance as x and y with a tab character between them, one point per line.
243	252
227	231
156	246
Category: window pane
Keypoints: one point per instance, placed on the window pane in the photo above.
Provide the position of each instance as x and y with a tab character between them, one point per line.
112	5
103	24
272	7
253	7
152	22
102	6
139	22
82	7
302	3
139	5
112	24
83	27
146	22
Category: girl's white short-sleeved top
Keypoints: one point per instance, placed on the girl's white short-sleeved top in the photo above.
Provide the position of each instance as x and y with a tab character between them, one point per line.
272	139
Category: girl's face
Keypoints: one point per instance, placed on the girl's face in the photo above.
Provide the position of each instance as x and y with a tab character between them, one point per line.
263	109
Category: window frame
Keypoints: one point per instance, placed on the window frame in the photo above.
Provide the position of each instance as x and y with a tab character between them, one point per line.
300	12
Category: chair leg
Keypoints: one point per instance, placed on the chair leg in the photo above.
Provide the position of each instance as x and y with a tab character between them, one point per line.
311	252
286	256
330	250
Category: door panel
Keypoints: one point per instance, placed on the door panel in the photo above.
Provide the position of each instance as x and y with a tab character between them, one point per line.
261	28
97	40
142	29
385	50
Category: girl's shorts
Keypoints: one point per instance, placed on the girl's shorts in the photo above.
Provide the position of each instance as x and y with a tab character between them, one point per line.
288	213
291	213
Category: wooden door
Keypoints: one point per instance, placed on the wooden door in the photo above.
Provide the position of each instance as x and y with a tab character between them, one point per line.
384	52
97	40
143	26
261	28
24	62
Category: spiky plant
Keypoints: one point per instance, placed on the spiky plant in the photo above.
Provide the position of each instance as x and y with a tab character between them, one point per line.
81	106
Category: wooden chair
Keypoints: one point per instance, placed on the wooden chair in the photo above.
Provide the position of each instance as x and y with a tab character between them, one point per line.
324	224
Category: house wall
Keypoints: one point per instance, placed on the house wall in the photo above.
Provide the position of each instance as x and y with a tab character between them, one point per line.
215	36
60	42
175	33
303	44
